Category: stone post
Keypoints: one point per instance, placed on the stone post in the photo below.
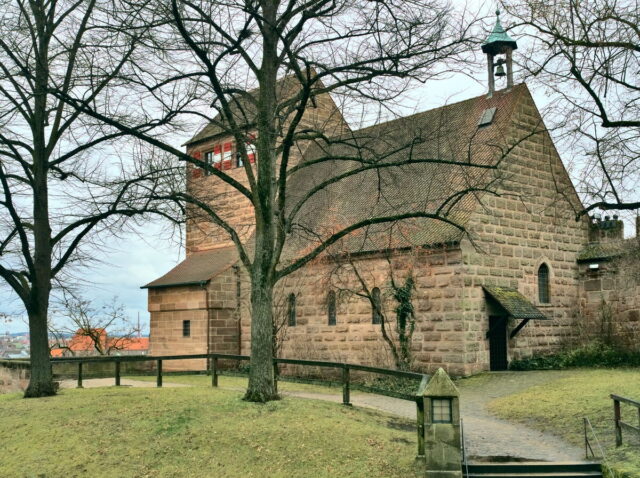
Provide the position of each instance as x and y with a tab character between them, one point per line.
442	443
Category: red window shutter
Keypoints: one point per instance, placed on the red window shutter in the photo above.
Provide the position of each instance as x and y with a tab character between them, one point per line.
227	146
196	155
252	158
217	149
196	173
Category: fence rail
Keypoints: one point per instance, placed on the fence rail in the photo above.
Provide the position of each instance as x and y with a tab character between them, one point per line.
617	417
214	369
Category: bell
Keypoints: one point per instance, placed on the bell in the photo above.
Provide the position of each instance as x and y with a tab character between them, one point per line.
500	70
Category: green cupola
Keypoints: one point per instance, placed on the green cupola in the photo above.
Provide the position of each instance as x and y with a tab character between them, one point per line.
499	47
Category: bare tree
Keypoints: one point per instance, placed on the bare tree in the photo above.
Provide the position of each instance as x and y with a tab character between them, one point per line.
264	66
587	54
353	278
61	184
107	327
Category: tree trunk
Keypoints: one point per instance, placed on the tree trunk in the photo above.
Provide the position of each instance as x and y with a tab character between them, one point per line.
41	381
261	375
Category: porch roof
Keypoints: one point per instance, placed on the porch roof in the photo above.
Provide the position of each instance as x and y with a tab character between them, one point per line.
197	268
516	305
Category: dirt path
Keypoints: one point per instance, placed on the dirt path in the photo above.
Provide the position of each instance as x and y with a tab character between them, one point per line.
485	435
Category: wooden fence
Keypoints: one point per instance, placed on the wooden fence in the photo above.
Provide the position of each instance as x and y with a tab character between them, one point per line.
214	370
619	424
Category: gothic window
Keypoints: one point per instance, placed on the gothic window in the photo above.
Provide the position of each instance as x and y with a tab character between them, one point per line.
376	313
543	284
291	310
331	307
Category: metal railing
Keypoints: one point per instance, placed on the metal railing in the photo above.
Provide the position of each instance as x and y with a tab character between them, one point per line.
465	462
589	449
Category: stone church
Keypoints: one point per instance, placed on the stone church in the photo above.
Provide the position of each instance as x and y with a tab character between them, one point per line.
509	274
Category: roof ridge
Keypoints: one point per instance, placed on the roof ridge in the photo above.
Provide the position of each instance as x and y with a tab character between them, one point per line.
515	89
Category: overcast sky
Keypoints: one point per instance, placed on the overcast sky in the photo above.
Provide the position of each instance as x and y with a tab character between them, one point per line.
140	258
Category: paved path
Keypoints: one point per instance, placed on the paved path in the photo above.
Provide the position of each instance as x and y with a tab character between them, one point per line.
485	435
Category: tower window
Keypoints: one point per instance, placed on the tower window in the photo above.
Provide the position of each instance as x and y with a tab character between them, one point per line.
543	284
376	313
291	310
331	307
186	328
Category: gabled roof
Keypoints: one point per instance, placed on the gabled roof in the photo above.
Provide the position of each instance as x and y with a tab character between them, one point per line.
198	268
516	305
448	133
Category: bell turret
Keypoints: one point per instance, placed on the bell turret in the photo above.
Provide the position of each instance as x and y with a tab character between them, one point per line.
499	43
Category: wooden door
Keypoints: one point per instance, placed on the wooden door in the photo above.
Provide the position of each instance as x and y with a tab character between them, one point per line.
498	343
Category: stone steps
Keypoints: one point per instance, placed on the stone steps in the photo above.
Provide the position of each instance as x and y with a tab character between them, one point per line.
533	470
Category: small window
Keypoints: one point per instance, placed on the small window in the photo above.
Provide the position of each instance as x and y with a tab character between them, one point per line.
331	307
486	118
441	410
208	160
291	312
376	313
543	284
186	328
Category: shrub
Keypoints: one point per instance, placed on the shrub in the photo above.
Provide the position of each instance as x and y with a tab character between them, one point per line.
594	354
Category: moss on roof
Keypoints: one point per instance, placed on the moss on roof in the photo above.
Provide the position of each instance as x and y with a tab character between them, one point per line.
517	305
598	251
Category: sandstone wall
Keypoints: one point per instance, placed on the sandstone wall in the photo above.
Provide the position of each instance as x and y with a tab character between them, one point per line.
610	300
438	337
531	222
169	307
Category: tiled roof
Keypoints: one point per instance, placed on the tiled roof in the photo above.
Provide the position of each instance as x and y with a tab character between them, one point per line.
517	305
197	268
448	133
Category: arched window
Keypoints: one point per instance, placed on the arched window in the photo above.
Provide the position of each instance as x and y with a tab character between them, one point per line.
291	310
376	313
331	307
543	284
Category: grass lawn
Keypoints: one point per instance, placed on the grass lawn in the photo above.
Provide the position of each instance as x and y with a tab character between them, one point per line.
196	432
559	406
240	383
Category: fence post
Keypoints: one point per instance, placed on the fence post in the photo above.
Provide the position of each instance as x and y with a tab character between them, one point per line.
159	373
346	399
79	375
117	373
616	418
275	376
214	372
586	439
420	425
